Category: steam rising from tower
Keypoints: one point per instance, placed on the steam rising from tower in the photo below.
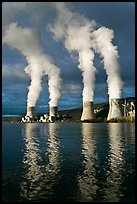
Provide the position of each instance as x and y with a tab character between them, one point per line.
102	43
27	41
79	36
75	31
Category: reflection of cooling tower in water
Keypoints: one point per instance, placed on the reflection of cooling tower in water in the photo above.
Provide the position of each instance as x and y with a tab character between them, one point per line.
87	179
113	188
88	111
114	109
54	156
40	167
29	189
30	111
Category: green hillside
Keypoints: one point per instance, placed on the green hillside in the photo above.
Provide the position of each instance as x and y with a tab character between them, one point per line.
76	113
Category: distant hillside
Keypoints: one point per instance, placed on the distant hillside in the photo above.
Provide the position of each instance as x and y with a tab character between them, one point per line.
77	112
74	113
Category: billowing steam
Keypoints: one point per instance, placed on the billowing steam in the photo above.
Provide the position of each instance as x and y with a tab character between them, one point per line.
27	41
75	31
102	43
78	35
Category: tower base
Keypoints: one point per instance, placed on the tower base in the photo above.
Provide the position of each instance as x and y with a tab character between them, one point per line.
30	112
114	109
88	111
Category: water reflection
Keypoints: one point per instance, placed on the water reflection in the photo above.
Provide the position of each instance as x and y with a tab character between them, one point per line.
41	164
87	179
130	129
116	161
59	162
53	150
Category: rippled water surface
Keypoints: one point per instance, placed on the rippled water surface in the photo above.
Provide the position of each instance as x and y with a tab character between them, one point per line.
85	162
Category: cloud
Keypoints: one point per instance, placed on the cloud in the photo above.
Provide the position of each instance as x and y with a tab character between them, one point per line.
13	74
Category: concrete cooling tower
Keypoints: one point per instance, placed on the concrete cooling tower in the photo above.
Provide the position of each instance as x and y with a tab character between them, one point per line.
53	113
88	111
53	110
114	109
30	111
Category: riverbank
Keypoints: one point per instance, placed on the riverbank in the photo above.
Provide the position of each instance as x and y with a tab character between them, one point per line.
122	120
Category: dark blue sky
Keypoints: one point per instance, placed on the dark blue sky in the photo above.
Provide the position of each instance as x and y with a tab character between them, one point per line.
118	16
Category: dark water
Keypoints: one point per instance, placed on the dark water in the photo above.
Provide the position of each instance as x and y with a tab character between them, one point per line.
86	162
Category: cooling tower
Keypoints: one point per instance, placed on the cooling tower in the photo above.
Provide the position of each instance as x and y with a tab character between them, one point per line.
88	112
114	109
53	113
30	111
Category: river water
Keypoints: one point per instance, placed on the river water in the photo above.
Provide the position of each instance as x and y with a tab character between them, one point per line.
70	162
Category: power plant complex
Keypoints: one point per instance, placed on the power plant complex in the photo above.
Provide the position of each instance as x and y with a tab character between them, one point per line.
115	112
31	115
80	35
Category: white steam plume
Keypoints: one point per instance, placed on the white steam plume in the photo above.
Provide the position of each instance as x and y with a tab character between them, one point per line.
27	41
102	43
75	31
